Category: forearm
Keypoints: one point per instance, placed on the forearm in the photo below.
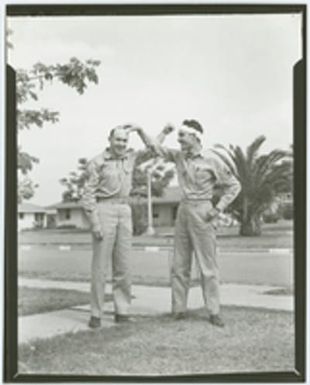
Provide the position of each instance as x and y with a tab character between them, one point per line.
149	141
231	192
88	200
164	132
90	209
161	137
146	139
166	153
153	144
93	218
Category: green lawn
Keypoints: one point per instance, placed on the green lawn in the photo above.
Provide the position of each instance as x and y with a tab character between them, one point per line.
252	341
33	300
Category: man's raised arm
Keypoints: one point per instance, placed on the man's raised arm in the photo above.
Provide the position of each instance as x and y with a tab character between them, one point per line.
154	145
168	153
164	133
146	139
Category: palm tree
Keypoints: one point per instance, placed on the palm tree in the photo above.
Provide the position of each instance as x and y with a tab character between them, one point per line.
261	178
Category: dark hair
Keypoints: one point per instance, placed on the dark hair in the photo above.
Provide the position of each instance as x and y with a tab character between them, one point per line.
194	124
126	126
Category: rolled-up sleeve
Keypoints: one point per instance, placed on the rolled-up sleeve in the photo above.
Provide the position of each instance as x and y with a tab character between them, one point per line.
228	181
168	154
88	201
155	149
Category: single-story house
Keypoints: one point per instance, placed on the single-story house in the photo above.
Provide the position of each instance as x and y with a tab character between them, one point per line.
71	214
165	207
31	216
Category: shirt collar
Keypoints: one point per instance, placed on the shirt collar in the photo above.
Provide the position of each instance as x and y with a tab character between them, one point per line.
193	154
108	155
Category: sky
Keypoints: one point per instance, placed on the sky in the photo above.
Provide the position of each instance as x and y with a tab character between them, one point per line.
233	73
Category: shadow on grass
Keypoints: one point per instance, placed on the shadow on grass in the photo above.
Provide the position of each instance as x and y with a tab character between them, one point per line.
34	300
252	340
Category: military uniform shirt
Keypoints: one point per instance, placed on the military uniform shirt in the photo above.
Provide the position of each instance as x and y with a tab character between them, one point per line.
108	177
199	174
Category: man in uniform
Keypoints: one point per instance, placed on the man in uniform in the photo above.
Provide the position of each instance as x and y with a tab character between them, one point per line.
195	230
105	202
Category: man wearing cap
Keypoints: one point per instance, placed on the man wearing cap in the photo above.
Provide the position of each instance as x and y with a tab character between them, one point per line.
105	202
195	230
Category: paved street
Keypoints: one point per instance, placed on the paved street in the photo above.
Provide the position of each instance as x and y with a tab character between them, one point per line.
268	268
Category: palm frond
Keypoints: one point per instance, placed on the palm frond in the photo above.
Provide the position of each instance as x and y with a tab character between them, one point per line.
229	152
242	167
265	164
227	161
253	148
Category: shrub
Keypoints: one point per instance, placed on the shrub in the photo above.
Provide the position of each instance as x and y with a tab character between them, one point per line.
288	211
139	217
271	217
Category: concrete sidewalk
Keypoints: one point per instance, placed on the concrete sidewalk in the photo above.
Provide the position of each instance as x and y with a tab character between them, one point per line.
148	300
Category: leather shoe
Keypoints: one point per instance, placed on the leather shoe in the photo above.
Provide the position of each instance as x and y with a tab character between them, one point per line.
94	322
179	316
216	320
122	318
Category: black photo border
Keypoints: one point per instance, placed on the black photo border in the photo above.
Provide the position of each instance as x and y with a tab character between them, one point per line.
10	350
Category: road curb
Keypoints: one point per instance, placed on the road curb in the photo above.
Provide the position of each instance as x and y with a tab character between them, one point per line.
70	247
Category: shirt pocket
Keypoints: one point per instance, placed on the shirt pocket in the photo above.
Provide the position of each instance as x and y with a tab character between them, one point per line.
128	167
203	174
105	170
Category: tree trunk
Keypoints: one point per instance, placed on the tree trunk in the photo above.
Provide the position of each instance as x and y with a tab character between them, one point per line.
251	227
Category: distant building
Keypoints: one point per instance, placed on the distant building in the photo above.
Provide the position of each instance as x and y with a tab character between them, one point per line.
165	207
71	214
31	216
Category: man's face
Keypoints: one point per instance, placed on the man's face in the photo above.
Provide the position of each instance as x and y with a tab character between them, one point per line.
119	142
187	141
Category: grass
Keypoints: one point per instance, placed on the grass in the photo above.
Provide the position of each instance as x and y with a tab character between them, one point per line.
281	291
136	279
252	341
33	300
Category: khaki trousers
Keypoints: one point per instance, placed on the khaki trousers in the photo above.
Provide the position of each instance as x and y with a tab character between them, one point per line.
194	234
116	225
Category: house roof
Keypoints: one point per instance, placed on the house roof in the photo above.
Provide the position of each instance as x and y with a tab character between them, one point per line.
64	205
171	195
30	208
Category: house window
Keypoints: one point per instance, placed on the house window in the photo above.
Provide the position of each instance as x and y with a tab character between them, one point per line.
67	214
21	215
38	217
155	213
174	213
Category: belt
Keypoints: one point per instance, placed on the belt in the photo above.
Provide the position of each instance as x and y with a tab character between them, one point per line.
192	201
115	200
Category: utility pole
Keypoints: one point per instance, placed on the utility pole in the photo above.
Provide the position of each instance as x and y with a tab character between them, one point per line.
150	229
151	166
